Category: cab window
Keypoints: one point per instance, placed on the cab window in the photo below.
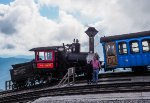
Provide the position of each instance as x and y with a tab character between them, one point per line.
146	45
48	55
44	55
41	55
134	47
122	46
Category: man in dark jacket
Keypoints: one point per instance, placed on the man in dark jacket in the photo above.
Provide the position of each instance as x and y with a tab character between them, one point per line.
89	71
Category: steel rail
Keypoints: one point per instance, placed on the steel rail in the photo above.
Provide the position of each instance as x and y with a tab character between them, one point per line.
75	90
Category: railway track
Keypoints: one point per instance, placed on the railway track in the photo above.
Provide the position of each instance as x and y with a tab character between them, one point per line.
112	84
74	90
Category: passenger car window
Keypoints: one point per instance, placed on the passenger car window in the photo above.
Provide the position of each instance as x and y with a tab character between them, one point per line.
122	48
146	45
134	47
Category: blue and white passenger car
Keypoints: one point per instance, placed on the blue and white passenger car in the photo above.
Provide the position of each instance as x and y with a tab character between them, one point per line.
127	51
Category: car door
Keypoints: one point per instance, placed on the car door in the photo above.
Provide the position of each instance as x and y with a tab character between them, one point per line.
111	55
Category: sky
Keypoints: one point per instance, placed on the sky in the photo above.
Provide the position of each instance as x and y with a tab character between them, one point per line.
25	24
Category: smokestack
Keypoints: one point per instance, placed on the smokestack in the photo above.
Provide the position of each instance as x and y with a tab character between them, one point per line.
91	32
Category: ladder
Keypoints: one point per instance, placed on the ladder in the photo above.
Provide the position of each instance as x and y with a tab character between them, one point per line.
8	85
69	78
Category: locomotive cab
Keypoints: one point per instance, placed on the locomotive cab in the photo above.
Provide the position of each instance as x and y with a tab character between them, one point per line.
47	62
46	58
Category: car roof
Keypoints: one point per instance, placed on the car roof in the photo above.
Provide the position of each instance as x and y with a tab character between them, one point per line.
124	36
45	48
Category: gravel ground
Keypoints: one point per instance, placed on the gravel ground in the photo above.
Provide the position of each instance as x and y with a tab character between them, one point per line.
96	101
141	97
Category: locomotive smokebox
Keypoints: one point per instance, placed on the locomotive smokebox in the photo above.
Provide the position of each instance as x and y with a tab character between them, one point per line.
91	32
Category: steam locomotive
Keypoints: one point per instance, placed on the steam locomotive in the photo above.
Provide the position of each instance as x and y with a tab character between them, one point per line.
50	62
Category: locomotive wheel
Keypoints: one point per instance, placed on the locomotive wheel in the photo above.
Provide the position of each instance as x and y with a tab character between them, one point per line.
30	82
49	79
20	84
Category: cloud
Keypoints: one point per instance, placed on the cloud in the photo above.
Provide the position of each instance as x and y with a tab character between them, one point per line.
138	12
3	9
6	24
116	16
7	27
22	27
9	46
126	16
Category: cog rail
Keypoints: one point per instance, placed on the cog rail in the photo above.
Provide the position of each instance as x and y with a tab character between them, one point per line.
29	95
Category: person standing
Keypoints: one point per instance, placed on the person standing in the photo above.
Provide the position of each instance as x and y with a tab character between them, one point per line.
96	65
89	71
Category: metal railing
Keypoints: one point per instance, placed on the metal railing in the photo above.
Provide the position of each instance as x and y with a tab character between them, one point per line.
69	78
8	85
